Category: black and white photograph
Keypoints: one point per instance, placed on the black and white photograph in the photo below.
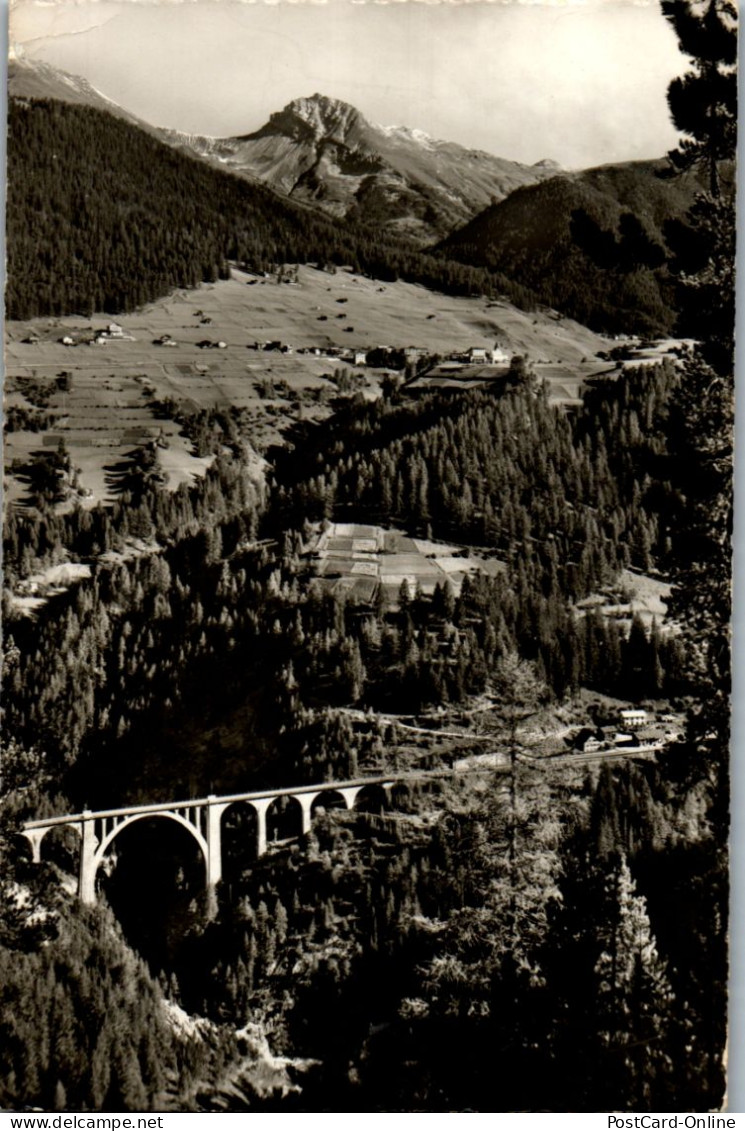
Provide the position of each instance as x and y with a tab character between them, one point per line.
368	410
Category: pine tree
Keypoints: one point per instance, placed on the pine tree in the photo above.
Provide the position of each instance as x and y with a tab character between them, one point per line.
703	105
701	429
60	1097
633	1002
703	102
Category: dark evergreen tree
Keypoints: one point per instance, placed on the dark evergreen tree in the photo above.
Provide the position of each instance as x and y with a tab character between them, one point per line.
703	102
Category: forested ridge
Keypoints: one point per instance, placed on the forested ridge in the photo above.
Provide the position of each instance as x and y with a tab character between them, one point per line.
506	472
103	217
600	246
546	934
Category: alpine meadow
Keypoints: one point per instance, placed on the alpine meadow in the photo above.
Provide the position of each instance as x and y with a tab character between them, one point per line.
367	522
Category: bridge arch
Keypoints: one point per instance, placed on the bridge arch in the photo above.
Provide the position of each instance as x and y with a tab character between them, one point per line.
93	853
328	799
278	816
58	831
111	836
152	874
372	799
240	826
284	818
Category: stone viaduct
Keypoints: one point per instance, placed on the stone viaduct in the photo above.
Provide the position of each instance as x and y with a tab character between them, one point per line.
202	818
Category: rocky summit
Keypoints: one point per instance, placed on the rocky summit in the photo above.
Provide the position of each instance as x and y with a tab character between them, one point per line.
323	151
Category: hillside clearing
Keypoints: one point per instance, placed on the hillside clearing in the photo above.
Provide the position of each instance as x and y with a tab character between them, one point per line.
355	559
634	594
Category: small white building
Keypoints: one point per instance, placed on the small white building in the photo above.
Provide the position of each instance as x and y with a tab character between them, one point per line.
114	330
499	356
633	717
621	739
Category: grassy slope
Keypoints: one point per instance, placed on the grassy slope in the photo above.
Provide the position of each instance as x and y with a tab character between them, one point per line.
107	404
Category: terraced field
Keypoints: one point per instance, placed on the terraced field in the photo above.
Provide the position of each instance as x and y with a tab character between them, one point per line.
355	559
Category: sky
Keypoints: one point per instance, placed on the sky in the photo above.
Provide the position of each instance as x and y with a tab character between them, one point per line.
582	82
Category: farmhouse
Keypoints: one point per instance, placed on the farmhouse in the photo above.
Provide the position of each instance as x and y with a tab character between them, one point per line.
497	356
275	346
477	354
587	741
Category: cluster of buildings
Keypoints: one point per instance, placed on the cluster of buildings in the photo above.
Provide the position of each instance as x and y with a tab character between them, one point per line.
395	357
622	732
111	333
481	356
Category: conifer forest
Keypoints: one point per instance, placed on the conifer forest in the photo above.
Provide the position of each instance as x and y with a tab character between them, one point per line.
433	582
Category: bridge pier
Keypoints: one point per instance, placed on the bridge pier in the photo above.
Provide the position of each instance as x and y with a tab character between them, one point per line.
35	837
350	795
305	801
261	805
213	863
88	860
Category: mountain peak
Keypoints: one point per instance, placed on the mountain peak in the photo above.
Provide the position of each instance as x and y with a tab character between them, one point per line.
321	104
317	117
